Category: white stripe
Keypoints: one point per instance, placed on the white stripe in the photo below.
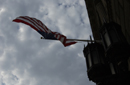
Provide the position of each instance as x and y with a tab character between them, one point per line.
55	35
29	22
42	24
67	41
38	21
62	39
34	20
58	37
45	27
35	25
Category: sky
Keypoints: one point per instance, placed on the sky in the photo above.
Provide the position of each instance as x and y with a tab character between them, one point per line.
25	59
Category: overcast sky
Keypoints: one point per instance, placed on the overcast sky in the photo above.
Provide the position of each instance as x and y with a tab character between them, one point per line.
25	59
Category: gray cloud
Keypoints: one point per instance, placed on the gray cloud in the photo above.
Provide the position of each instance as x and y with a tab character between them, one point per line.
25	59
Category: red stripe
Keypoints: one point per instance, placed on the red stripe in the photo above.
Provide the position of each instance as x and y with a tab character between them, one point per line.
67	44
60	37
18	20
32	22
39	23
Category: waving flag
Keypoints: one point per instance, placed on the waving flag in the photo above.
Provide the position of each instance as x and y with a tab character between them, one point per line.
43	30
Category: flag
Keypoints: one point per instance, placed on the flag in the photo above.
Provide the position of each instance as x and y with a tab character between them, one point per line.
43	30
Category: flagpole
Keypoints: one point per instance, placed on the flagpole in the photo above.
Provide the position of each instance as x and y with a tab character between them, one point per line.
78	40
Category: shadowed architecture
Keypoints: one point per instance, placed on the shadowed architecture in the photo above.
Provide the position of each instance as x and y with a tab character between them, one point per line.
100	11
110	23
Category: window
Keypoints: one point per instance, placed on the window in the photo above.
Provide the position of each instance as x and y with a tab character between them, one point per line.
89	60
95	57
112	69
107	39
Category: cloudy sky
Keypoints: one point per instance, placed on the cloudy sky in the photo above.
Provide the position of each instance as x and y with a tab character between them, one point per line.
25	59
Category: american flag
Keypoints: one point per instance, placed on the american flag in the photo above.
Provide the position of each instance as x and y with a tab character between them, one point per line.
43	30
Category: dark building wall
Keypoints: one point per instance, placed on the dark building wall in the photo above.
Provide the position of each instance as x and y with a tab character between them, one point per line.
100	11
121	15
93	17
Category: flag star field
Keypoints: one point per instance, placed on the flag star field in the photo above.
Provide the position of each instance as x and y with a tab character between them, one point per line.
26	59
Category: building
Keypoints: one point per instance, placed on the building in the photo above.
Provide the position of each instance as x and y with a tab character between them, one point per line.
106	11
100	11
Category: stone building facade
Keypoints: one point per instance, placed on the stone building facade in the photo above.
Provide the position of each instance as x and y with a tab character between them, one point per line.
100	11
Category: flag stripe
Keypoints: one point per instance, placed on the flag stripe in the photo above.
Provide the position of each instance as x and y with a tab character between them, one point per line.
25	22
38	22
41	27
69	43
34	23
62	39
